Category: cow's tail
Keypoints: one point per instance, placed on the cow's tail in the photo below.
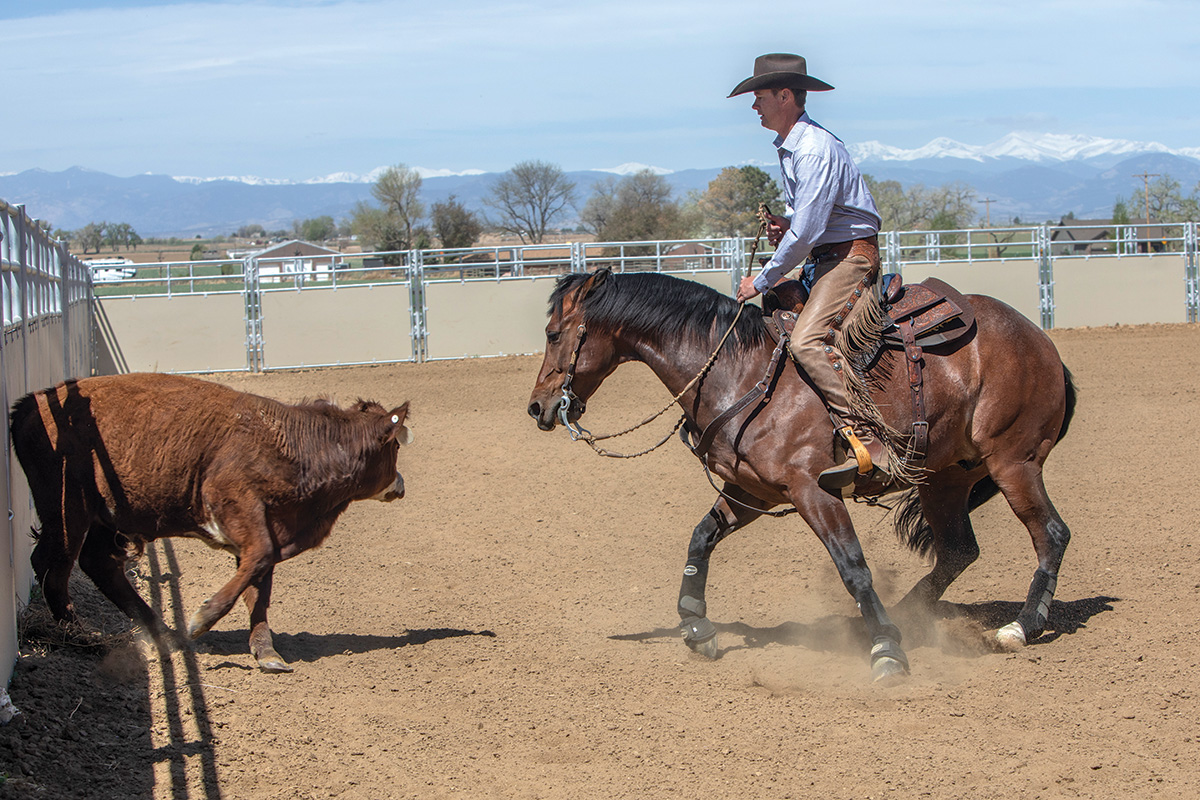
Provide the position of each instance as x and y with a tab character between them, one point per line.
21	412
909	522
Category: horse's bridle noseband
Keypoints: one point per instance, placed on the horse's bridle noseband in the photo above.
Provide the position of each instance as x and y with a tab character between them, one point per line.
569	398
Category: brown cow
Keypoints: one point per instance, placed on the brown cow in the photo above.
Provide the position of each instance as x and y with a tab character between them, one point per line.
115	462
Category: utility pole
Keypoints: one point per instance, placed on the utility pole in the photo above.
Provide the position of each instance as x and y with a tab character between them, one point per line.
1146	176
987	204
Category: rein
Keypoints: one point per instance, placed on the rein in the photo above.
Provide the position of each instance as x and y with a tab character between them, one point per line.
580	433
569	398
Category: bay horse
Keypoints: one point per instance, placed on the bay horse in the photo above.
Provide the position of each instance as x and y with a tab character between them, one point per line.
995	408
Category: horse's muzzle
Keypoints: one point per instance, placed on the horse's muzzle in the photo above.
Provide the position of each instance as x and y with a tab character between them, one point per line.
548	416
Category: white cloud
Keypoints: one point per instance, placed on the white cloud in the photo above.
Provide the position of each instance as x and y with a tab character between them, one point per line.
303	88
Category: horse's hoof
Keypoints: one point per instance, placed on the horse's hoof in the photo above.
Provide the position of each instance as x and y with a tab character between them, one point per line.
700	635
1011	637
708	648
887	671
889	665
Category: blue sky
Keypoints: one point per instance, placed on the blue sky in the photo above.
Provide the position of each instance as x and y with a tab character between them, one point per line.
296	89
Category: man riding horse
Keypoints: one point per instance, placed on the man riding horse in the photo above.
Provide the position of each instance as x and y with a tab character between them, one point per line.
831	226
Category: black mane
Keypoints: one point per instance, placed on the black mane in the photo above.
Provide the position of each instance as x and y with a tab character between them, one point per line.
662	307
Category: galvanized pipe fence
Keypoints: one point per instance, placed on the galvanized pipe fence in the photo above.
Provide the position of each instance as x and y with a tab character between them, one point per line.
46	305
1044	271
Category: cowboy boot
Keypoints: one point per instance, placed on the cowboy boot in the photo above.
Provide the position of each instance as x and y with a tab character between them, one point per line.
866	463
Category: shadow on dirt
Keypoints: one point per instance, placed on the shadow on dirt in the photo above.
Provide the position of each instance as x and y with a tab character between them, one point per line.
957	628
309	647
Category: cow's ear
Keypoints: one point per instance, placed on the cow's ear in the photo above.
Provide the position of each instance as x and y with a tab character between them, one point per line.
396	428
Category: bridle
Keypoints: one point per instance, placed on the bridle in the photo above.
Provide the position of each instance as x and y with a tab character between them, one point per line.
570	399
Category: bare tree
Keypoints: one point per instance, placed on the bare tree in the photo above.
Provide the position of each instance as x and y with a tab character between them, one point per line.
91	236
399	190
529	197
943	207
638	207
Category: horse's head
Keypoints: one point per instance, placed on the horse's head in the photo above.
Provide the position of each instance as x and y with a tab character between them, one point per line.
577	359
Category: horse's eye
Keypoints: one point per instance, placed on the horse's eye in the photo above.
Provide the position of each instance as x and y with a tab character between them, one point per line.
553	336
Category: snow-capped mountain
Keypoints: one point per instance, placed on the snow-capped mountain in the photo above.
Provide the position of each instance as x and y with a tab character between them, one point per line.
633	168
333	177
1023	175
1036	147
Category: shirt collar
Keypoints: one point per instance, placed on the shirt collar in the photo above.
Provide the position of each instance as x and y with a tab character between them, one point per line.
792	140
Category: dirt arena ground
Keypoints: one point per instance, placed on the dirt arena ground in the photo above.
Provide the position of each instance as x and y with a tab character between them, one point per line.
508	629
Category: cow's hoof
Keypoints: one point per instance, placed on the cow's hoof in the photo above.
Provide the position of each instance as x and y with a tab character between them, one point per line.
1010	638
272	662
198	625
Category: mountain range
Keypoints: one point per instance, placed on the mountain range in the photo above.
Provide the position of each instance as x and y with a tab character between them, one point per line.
1033	177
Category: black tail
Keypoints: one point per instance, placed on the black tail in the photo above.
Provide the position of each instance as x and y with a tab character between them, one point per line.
910	524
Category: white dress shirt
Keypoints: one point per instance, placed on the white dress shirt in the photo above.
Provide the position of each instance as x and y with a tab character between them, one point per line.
827	200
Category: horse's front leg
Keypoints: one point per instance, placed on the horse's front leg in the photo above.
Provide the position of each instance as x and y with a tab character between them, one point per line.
829	519
725	517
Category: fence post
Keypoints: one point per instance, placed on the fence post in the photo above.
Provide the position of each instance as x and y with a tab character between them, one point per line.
23	293
59	252
891	253
416	303
252	293
733	254
1191	270
578	257
1045	277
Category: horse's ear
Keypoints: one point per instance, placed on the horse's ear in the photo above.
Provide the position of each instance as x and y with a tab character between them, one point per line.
596	280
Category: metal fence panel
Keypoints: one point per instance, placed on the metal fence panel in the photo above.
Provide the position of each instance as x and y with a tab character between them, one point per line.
1133	290
327	327
488	317
46	305
178	333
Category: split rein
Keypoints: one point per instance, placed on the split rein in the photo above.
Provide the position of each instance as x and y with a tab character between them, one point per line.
580	433
569	398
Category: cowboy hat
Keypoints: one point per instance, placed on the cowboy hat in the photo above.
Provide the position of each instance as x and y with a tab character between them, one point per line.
777	70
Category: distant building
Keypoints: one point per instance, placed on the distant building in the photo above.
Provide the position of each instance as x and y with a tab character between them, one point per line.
295	259
111	269
1082	237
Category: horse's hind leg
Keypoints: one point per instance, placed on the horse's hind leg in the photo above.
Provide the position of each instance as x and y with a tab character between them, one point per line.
725	517
945	528
103	560
1025	491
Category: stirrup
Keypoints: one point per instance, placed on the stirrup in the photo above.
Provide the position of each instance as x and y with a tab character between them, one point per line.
861	454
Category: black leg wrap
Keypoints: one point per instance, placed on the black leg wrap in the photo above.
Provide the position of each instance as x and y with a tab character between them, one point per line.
691	590
885	647
1036	614
697	629
693	611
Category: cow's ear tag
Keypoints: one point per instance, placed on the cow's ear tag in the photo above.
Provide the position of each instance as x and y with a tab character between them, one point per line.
395	418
